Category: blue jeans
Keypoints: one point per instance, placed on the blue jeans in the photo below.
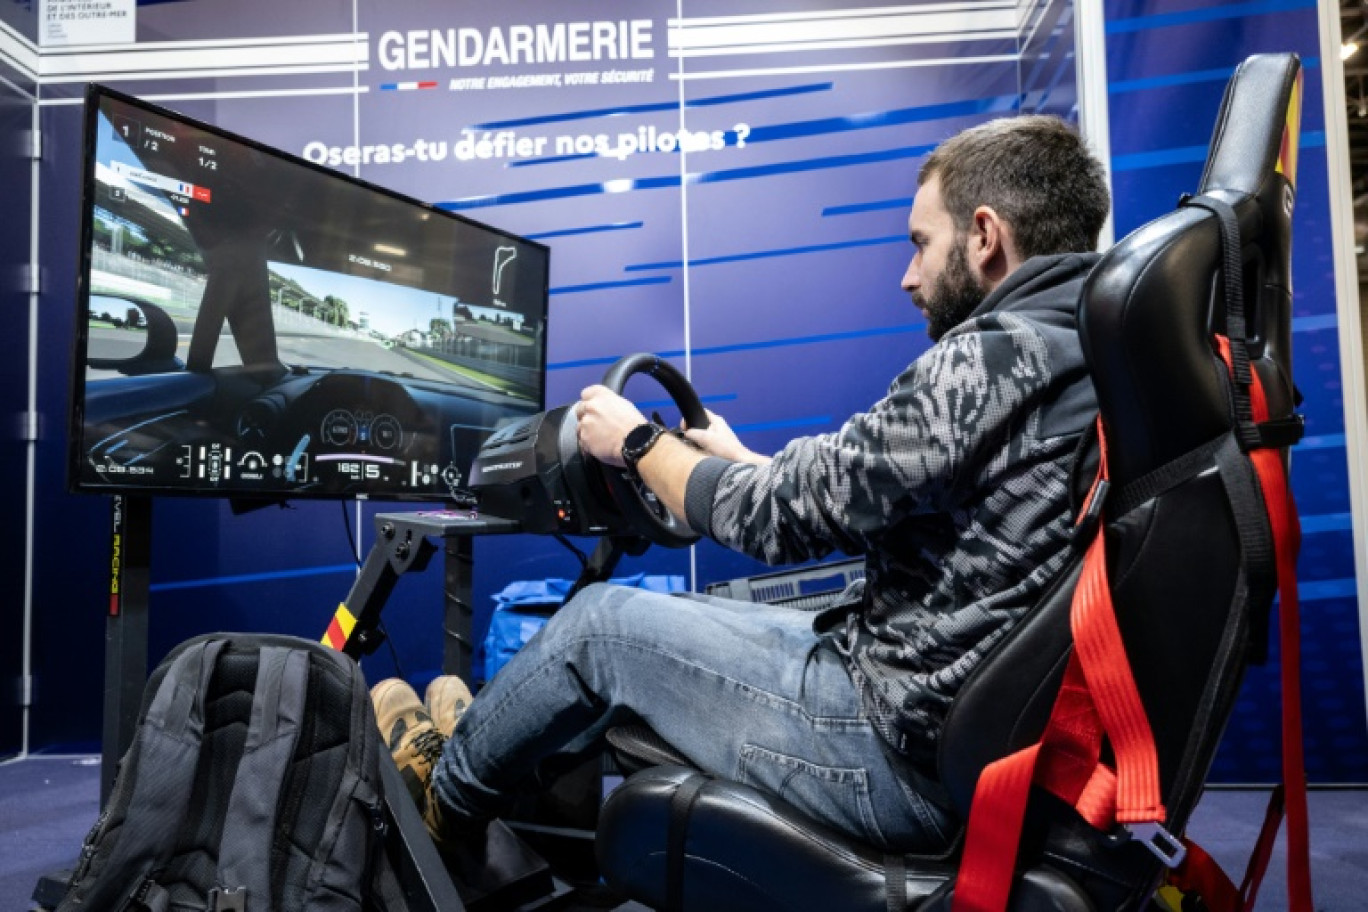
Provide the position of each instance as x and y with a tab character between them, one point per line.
747	692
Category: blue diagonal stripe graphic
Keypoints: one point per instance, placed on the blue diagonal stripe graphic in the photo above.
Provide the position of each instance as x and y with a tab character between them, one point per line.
766	254
591	113
706	177
1212	13
755	346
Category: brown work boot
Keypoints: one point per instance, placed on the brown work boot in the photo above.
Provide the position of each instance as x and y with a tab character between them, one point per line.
413	740
445	700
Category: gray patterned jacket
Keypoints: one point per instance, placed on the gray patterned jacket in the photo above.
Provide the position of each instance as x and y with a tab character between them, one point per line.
954	487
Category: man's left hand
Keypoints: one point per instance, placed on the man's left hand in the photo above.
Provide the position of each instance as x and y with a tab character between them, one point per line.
605	418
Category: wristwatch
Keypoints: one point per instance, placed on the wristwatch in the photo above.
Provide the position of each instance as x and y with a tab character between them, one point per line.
639	441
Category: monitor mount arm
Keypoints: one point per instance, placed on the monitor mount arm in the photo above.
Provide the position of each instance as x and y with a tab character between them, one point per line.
407	541
404	542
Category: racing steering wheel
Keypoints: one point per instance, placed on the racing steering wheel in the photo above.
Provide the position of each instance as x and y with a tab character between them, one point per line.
647	515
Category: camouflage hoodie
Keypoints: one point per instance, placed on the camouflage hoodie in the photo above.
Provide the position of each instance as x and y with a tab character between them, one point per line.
954	487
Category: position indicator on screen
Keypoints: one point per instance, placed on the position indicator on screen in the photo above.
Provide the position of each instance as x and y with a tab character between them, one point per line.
161	182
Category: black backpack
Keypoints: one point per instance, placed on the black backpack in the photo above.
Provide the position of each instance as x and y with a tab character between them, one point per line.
253	783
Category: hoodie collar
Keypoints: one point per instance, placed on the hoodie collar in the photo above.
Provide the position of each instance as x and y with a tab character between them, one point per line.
1036	273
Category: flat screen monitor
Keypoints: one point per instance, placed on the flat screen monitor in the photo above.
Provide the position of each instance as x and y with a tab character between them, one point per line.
252	325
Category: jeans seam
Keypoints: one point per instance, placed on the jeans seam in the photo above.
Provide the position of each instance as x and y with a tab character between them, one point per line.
556	660
496	711
921	807
854	778
743	687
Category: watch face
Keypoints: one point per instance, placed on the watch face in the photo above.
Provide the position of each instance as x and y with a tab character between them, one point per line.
638	442
639	436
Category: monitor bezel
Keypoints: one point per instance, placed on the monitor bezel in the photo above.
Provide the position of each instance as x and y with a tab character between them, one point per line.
80	341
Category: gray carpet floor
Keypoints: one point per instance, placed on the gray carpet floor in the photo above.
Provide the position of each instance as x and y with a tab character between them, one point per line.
47	804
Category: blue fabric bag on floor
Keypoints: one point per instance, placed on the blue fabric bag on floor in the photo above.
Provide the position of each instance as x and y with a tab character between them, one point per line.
523	607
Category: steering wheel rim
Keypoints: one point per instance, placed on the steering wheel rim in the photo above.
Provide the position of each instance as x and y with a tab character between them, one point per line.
631	498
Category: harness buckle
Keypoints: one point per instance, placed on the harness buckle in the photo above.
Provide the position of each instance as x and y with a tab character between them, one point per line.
1282	432
1162	844
1091	516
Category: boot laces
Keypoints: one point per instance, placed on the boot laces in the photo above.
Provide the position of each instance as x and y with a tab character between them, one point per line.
428	744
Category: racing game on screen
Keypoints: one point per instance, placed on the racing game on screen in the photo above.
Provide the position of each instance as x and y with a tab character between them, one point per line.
253	325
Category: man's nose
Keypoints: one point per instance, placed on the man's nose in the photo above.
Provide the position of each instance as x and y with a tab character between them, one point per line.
911	279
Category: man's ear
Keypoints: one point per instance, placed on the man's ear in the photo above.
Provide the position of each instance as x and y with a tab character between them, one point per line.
992	249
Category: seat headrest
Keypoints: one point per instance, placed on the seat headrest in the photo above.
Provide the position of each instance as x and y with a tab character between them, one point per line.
1256	131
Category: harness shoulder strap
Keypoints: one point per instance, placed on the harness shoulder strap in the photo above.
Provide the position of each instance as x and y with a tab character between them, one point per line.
1232	280
1286	529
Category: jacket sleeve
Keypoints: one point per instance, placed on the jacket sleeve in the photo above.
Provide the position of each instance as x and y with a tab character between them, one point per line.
913	452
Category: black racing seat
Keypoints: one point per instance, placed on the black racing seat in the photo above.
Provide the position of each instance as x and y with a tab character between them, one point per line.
1188	545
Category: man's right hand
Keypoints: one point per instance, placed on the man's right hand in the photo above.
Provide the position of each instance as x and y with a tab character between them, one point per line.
718	439
605	418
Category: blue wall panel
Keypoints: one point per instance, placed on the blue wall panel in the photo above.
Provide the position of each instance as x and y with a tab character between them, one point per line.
771	262
21	16
771	258
70	569
16	114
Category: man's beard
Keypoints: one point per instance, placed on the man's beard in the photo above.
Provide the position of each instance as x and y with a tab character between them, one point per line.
957	294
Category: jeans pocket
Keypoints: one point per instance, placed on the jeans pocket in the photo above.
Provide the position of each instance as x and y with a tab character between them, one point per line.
836	796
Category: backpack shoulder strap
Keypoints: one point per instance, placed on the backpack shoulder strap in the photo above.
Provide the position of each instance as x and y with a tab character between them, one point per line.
249	825
386	890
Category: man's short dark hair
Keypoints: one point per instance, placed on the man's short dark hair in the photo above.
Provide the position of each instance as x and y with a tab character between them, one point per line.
1035	172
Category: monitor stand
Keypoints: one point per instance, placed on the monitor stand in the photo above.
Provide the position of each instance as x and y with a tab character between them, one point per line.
125	676
130	550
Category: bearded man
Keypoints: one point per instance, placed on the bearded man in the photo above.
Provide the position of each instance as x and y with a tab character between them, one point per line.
954	487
